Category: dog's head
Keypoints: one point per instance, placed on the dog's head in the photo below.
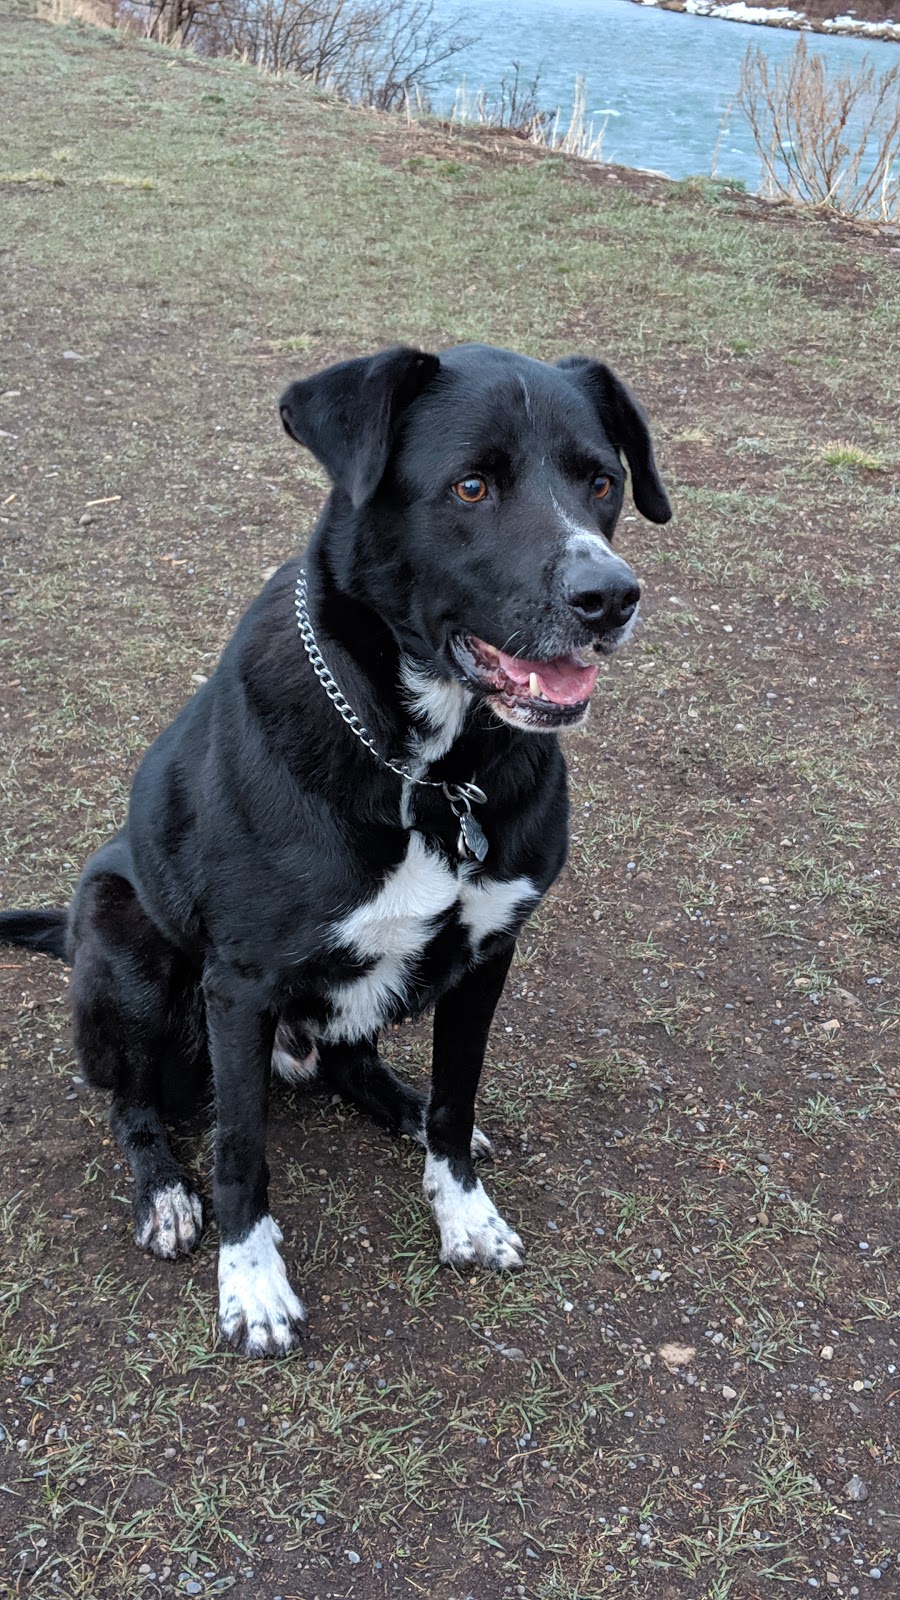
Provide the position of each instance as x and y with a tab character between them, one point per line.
475	499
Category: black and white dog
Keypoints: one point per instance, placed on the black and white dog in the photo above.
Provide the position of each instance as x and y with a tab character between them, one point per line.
350	822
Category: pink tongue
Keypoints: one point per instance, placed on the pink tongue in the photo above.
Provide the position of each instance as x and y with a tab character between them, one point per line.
565	681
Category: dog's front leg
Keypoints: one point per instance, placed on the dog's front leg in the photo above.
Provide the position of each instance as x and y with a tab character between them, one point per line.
472	1229
259	1314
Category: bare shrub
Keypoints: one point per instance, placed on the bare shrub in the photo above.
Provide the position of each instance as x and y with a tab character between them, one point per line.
166	21
370	51
98	13
825	140
516	108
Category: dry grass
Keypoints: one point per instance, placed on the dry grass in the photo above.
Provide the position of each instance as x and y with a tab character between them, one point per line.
516	109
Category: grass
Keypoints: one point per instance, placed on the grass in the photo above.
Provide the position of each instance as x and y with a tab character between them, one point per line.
693	1151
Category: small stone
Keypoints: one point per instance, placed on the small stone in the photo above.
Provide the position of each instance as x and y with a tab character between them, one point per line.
827	1352
728	1393
858	1386
833	1578
85	520
855	1489
874	1572
352	1557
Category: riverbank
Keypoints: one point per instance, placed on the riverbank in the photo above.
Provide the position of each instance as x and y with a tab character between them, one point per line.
816	20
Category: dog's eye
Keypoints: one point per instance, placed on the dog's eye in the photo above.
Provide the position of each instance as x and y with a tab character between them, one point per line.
470	490
601	486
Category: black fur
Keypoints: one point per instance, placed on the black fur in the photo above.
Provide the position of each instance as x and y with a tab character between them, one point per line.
258	821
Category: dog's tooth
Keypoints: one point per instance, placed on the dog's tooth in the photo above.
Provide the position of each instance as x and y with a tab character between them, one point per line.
535	686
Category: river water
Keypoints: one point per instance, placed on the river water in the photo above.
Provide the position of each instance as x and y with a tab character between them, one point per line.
661	80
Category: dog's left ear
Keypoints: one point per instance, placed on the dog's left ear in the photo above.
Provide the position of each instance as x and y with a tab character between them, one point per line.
625	425
347	415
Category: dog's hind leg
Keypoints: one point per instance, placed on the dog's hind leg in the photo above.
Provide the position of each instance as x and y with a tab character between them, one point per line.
359	1075
131	999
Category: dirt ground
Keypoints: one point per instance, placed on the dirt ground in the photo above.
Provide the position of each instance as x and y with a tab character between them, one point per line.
692	1390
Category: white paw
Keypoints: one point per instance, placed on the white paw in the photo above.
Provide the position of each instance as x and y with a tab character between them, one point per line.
472	1229
259	1313
287	1063
170	1222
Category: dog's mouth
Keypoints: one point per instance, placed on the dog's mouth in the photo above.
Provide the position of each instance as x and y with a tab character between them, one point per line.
540	695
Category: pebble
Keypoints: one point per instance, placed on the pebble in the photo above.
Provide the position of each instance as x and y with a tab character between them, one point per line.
827	1352
855	1489
352	1557
728	1393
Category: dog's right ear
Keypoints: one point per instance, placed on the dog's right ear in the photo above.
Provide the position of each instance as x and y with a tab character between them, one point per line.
347	415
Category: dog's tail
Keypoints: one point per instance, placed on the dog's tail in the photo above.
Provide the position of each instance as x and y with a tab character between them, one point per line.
36	930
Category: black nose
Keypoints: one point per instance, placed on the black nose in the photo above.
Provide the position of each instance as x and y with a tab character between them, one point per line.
603	592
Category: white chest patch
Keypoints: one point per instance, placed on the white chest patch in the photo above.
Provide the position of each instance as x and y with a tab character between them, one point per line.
393	929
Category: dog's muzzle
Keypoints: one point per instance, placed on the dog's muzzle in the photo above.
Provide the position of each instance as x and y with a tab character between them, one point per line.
602	591
600	594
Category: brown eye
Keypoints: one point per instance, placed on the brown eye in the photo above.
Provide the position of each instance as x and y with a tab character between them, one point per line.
470	490
601	487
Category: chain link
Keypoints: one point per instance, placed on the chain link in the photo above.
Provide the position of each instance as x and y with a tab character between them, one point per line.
458	794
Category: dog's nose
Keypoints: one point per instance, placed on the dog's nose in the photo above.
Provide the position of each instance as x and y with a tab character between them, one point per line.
603	592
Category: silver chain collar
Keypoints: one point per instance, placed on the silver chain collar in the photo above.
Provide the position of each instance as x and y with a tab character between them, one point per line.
472	843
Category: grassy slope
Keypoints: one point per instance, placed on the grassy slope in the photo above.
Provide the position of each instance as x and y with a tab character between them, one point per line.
195	235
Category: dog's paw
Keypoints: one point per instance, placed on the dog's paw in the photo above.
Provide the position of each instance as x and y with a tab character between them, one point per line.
482	1149
473	1233
168	1221
259	1313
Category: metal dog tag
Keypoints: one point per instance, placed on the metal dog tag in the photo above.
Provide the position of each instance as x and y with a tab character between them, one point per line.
472	844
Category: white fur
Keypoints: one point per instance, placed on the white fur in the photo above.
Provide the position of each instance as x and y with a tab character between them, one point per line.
472	1229
393	927
258	1310
174	1223
487	905
580	536
293	1069
441	704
